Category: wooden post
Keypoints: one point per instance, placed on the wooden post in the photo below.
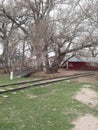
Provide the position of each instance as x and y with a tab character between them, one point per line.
11	75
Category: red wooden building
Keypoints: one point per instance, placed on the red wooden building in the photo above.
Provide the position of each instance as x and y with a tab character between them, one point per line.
82	65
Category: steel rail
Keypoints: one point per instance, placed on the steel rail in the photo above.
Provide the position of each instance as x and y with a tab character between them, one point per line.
44	82
37	80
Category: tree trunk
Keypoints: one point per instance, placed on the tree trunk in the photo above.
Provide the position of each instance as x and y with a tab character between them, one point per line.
23	56
57	60
48	69
6	57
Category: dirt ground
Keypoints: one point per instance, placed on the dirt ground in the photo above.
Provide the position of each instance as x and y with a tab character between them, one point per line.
87	122
89	79
62	72
89	97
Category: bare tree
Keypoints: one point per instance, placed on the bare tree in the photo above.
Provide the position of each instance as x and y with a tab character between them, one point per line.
9	37
37	13
74	33
59	26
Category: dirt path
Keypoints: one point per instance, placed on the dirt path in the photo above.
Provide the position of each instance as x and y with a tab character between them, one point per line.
89	97
87	122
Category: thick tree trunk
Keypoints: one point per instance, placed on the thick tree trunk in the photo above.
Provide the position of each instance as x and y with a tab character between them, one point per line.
55	66
6	57
48	69
5	65
39	62
56	63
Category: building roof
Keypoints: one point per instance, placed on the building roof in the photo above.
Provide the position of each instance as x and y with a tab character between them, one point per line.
84	59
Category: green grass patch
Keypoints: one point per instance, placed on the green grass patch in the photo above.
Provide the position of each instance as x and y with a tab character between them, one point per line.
45	108
5	79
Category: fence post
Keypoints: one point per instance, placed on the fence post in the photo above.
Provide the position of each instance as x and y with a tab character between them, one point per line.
11	75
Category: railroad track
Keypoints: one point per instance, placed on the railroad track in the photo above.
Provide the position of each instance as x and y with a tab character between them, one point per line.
36	83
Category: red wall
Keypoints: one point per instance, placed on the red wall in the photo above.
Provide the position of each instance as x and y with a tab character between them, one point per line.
81	66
